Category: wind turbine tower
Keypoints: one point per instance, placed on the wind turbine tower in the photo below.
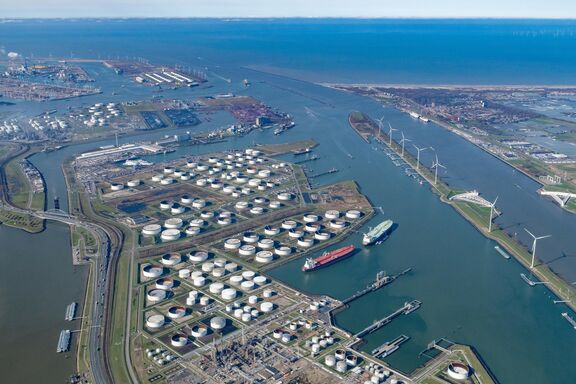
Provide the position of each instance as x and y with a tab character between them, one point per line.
403	141
492	206
435	165
418	155
534	245
390	134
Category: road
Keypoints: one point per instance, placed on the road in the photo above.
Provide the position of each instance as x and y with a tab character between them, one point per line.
96	342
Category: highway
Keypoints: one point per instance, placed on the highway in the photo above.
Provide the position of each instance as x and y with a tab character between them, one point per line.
96	342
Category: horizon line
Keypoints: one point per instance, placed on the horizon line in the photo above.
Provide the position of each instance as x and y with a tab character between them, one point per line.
232	18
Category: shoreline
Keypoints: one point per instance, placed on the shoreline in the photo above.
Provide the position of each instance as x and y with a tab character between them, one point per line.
517	250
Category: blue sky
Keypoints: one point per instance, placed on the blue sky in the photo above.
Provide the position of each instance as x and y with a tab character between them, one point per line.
290	8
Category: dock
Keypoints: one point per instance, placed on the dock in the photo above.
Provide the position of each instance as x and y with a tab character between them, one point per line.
569	319
63	341
381	280
389	347
333	170
502	252
407	308
306	160
70	312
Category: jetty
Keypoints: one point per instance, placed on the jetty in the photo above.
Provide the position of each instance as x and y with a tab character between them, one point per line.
389	347
407	308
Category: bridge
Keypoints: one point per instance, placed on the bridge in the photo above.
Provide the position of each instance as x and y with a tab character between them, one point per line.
561	198
473	197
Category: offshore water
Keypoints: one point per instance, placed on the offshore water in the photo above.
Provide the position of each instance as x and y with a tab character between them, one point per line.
470	293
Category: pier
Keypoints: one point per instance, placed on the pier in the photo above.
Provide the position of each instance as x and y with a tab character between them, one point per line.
389	347
70	312
333	170
63	341
407	308
569	319
381	280
502	252
311	158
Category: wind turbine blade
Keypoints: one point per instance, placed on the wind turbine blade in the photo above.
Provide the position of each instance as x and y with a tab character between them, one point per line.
530	233
543	237
495	200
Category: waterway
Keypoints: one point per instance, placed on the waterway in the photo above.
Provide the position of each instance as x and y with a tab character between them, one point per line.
469	292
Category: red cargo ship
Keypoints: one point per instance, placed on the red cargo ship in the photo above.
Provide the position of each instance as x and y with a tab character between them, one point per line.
327	258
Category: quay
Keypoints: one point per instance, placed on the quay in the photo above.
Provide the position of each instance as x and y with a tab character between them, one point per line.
407	308
333	170
311	158
389	347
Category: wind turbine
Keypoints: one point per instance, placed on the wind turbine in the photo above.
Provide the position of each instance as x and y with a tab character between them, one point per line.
418	156
435	165
403	141
534	245
380	123
390	134
492	206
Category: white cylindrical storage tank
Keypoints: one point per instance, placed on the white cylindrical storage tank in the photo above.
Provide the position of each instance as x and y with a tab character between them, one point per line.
178	172
253	299
151	271
156	295
231	267
283	251
134	183
220	262
236	280
165	283
232	244
353	214
286	337
257	211
216	185
201	182
229	294
247	250
305	242
165	204
261	187
201	168
155	321
177	209
197	223
322	236
352	360
330	360
238	313
170	235
207	267
295	233
224	220
199	203
191	164
179	340
190	301
254	182
174	223
341	366
268	293
255	313
184	273
315	348
185	176
312	227
116	186
266	306
194	275
340	354
284	196
199	330
275	204
171	259
264	173
157	178
247	285
206	214
151	230
199	281
241	205
176	312
337	224
193	231
217	323
289	224
167	181
332	214
197	256
216	287
204	300
251	170
186	199
218	272
458	371
246	317
248	275
310	218
266	244
260	280
271	231
250	237
168	170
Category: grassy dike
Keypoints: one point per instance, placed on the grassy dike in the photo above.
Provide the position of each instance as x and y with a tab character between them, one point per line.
478	217
118	295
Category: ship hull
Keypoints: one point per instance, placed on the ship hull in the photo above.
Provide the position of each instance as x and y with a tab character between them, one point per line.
325	260
328	263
